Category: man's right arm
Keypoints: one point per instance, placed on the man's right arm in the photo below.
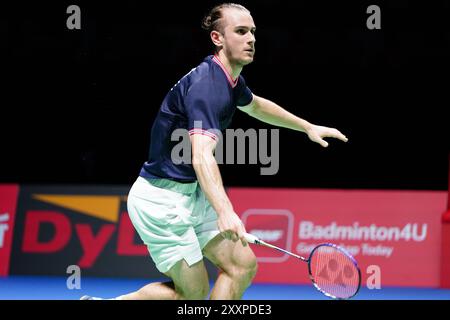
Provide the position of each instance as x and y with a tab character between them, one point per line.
210	180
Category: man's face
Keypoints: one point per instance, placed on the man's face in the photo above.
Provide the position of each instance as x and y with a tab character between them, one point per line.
238	38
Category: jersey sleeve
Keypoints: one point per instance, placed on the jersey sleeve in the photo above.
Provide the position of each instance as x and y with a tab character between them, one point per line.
245	95
202	110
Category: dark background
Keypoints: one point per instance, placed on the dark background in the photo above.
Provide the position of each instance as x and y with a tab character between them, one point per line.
77	105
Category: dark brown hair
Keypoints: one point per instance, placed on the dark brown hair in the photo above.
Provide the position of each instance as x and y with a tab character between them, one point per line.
211	22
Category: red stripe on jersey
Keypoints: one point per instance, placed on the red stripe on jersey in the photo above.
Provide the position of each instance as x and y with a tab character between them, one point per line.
203	132
232	82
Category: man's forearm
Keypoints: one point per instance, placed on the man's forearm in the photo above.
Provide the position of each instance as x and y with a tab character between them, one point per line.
210	180
271	113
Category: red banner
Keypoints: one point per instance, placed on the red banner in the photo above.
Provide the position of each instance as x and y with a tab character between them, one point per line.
8	201
445	244
395	232
88	226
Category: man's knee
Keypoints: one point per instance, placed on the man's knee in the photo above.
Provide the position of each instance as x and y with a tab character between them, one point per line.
251	268
244	270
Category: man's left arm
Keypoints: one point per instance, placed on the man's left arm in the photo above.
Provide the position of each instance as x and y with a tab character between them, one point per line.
271	113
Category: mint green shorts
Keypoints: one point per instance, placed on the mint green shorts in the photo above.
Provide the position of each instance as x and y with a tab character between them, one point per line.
174	220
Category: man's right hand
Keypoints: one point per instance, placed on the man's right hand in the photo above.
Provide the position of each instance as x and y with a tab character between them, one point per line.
231	227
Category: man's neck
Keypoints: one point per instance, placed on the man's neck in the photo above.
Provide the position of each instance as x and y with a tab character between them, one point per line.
234	70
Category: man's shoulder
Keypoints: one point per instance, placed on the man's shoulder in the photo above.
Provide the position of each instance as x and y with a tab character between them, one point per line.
202	71
202	76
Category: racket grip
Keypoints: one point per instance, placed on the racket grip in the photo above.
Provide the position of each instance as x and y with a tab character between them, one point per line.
251	238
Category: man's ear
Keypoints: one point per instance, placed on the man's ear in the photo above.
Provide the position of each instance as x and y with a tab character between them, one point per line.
216	38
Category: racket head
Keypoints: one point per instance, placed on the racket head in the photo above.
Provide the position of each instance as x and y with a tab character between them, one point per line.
334	271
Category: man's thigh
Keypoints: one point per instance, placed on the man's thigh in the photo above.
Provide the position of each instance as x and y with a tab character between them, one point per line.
190	281
229	255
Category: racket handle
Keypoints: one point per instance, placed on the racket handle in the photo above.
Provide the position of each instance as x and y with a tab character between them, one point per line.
251	238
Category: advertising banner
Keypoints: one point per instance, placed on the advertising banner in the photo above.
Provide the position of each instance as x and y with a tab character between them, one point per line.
62	226
8	201
394	235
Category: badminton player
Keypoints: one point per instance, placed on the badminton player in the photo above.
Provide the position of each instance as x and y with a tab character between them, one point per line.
181	211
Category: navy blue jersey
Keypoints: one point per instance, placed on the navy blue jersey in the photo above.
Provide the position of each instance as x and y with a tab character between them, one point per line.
207	96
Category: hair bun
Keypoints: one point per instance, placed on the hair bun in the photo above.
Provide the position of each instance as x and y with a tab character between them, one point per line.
206	24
